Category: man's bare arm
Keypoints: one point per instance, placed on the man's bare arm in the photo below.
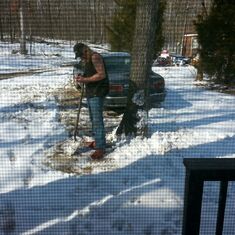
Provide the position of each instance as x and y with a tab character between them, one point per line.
99	66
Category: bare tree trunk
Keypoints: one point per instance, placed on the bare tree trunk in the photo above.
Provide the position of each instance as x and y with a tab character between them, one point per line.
10	24
184	40
22	29
50	18
134	118
1	29
175	30
95	8
57	25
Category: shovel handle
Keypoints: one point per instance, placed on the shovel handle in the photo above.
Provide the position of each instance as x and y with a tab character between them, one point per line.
78	113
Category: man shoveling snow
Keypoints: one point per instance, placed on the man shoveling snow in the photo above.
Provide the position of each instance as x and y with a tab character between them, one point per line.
97	85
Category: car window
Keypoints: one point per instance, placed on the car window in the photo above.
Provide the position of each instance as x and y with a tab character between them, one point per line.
117	64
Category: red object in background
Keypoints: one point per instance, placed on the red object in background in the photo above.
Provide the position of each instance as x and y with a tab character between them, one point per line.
165	53
116	88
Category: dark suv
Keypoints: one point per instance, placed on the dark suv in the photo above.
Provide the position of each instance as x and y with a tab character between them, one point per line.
118	68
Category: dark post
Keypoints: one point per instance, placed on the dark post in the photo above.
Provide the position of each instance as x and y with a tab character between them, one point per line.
192	204
199	170
221	209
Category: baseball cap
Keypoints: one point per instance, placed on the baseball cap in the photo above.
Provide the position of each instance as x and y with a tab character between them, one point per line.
78	49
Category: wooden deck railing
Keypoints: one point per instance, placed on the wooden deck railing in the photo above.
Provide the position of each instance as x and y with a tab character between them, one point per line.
197	171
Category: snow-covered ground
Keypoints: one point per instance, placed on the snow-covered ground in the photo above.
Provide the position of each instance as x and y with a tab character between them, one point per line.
143	194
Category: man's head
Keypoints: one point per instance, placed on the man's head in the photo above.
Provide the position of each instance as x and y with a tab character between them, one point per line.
80	50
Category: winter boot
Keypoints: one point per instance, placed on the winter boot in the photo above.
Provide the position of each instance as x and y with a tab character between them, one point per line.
98	154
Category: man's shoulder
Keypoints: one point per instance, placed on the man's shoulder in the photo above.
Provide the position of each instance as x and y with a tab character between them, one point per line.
96	55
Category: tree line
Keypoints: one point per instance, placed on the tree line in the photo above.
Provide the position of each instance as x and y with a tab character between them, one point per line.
58	19
89	19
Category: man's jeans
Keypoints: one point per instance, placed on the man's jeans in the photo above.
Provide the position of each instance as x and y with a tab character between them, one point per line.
95	105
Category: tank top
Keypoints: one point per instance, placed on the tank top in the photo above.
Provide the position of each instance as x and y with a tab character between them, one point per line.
99	88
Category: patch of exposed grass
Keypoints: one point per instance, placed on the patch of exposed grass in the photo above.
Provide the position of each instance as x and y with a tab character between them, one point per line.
61	162
68	102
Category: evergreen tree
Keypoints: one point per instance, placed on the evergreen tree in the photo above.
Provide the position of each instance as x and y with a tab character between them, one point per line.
121	31
216	36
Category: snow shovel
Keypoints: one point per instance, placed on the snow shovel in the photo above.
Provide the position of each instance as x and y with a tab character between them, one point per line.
78	113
